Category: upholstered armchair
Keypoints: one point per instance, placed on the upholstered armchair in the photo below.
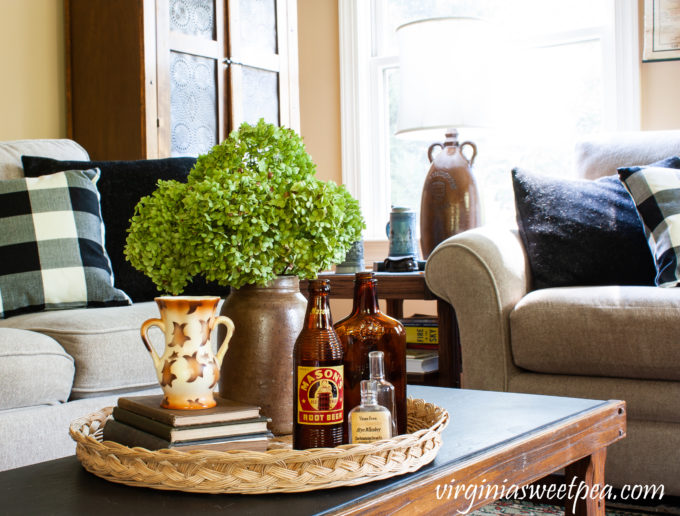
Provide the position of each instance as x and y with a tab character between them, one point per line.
599	342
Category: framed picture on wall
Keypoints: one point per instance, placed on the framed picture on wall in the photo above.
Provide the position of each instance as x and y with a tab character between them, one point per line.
662	30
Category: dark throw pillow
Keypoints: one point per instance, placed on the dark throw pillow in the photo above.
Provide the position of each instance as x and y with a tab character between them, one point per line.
580	232
52	254
122	185
655	189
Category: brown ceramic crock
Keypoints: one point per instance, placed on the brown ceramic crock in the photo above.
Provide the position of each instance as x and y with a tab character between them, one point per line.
258	366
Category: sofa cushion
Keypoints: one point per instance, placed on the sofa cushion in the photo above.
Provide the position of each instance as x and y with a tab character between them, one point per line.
122	185
35	370
580	232
602	154
48	437
52	252
11	152
105	343
620	332
656	192
646	400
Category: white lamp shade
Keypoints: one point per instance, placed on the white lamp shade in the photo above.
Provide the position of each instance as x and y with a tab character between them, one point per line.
446	67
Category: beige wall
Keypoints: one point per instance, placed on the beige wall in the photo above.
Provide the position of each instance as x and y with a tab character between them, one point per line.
659	99
660	102
320	85
32	89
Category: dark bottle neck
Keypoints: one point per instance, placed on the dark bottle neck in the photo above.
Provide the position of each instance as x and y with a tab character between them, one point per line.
318	314
365	294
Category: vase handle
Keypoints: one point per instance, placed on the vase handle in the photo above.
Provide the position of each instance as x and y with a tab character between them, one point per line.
431	149
229	324
145	338
474	151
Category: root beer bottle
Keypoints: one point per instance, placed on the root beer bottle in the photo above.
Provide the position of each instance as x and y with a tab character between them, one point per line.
318	376
367	329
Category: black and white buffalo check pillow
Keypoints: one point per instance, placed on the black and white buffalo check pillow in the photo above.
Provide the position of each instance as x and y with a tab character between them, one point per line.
51	245
655	189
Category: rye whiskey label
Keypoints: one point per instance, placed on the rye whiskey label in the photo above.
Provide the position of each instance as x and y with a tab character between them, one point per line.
370	426
319	395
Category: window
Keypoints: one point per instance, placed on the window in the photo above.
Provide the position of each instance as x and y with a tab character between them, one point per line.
577	74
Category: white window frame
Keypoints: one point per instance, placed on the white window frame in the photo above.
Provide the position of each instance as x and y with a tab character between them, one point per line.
365	158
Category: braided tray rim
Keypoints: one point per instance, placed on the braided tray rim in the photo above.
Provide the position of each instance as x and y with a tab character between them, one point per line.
250	472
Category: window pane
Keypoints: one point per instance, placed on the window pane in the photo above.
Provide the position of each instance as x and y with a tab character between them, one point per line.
560	88
193	17
193	104
260	95
558	98
257	21
523	18
408	158
554	93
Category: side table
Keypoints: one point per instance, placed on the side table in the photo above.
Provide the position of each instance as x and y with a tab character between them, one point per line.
395	287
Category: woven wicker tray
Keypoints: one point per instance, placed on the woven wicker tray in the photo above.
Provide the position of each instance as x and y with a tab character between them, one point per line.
278	470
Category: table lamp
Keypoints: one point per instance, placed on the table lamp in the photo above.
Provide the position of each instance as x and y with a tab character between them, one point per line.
446	66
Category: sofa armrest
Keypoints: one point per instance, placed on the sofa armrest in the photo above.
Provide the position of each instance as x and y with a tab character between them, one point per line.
482	273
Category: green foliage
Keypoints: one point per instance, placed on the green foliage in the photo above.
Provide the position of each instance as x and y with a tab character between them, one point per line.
251	210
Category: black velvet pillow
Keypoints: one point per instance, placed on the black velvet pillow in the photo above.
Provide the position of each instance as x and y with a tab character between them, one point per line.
122	185
581	232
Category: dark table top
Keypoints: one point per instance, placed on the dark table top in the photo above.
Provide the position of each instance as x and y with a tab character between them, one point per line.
480	421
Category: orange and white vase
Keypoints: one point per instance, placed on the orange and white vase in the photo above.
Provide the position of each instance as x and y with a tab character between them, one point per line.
188	371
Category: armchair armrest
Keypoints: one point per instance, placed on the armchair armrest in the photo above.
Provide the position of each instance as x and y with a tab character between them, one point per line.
482	273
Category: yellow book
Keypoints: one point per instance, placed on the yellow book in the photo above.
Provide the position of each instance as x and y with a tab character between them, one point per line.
422	334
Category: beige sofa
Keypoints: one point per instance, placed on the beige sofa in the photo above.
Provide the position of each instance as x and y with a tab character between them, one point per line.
608	342
60	365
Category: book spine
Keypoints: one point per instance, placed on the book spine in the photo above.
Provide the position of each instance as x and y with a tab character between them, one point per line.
131	436
420	321
155	414
427	347
422	335
143	423
149	407
422	364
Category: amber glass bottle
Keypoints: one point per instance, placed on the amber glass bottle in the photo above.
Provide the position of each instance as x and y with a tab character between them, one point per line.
318	378
367	329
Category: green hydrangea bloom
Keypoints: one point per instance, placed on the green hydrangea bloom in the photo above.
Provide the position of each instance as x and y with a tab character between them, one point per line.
251	210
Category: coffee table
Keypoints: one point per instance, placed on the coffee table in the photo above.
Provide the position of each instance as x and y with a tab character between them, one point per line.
500	438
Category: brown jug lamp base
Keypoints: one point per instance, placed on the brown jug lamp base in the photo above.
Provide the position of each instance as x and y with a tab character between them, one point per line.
450	201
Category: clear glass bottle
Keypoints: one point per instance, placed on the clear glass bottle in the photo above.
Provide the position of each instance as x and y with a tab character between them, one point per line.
369	421
367	329
384	389
318	381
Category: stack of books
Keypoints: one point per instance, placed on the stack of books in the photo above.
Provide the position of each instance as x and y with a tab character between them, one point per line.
140	421
422	344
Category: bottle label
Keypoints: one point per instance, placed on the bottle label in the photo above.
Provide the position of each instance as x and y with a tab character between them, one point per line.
370	426
320	395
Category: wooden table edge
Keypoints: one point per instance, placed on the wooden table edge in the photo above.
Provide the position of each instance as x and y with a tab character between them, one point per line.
520	462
